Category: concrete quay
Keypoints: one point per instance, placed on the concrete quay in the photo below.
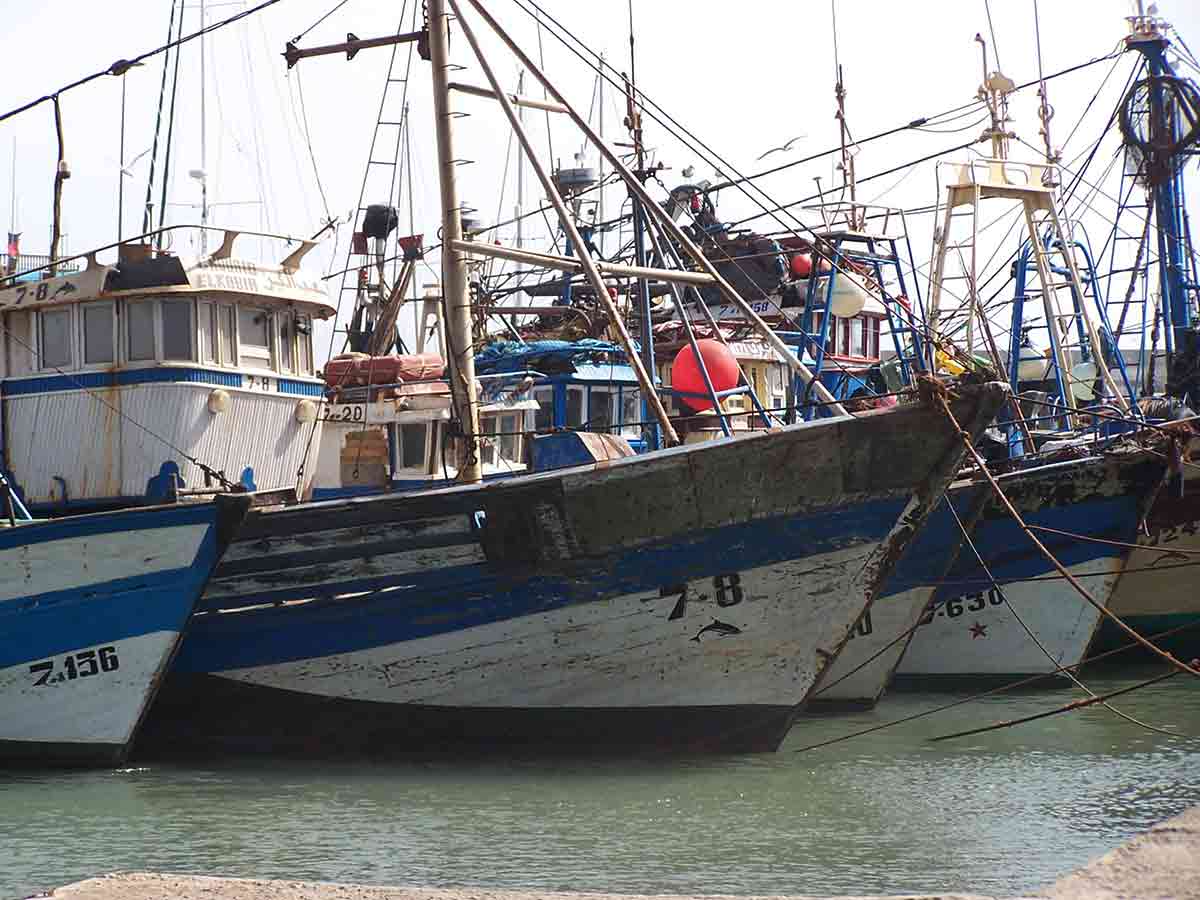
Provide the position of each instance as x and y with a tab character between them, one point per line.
1160	864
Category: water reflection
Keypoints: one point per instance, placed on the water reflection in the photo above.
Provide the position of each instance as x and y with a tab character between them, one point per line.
1003	812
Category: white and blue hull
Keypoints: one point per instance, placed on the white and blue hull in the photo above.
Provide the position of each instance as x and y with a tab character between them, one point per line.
685	600
1031	621
66	450
91	610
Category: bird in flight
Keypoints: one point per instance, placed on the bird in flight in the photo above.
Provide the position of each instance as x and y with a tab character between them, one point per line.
785	147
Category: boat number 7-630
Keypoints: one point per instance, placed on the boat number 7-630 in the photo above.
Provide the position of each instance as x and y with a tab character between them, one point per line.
75	665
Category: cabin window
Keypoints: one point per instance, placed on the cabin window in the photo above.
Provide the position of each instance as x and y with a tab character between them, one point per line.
756	377
510	437
254	337
601	409
177	329
287	342
843	345
543	417
20	342
226	336
487	440
304	345
574	407
858	337
631	412
99	342
775	383
206	332
56	338
412	446
139	319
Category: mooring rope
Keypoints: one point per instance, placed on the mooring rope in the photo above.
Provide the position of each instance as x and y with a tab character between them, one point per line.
1073	705
1071	579
1038	643
983	695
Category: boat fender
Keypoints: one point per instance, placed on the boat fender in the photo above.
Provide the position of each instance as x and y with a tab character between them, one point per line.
306	411
218	401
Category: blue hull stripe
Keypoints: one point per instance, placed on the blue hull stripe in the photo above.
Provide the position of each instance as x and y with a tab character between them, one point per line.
145	519
451	599
42	625
46	384
1011	556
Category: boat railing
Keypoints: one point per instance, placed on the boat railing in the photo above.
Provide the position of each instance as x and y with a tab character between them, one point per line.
155	242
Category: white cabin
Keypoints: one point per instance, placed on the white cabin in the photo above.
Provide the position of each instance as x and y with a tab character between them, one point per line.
114	378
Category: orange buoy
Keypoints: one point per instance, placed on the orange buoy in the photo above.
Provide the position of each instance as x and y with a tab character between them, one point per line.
686	376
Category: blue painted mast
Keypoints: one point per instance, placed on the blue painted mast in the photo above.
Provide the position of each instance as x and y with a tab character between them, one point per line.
1166	139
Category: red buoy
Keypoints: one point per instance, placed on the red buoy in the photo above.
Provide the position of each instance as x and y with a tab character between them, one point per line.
686	376
801	265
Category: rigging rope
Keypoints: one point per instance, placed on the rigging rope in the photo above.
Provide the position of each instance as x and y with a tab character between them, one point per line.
206	469
983	695
1051	558
1069	707
298	38
122	65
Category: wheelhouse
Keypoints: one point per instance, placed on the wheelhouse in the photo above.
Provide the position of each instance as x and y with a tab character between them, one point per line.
159	373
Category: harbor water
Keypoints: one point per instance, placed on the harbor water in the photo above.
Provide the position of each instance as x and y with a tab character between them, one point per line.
891	812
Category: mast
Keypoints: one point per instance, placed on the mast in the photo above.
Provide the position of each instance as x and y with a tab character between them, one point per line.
600	204
203	139
633	122
520	169
454	265
61	174
121	168
1163	175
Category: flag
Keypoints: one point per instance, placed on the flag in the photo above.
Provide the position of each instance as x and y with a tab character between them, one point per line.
14	245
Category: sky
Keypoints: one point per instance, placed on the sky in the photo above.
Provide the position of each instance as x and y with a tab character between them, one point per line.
753	78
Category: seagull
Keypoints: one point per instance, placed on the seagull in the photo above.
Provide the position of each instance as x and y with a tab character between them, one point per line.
785	147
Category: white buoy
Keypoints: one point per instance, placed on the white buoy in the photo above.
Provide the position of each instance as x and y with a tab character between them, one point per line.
848	299
218	401
306	411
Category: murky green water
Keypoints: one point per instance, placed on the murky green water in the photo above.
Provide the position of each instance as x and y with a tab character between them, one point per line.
1003	812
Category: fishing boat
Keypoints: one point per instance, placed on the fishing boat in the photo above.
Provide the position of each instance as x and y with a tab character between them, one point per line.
92	609
1086	506
1155	595
1003	610
683	599
138	381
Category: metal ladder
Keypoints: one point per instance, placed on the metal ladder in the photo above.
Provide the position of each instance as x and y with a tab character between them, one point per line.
1052	257
381	180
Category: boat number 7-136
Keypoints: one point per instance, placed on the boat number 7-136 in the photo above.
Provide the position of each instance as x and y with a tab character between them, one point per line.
83	664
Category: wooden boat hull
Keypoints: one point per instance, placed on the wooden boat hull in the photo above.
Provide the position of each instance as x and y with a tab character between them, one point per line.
638	603
91	610
867	664
970	631
1156	594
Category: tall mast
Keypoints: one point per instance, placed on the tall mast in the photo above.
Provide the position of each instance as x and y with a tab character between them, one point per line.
203	139
634	123
520	169
454	265
600	204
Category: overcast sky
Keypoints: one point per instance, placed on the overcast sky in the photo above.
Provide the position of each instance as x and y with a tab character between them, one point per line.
743	77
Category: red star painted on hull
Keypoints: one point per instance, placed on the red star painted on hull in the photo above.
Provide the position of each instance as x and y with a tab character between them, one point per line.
978	631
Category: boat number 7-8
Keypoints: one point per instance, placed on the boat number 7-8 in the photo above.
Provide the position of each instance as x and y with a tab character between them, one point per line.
75	665
728	589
